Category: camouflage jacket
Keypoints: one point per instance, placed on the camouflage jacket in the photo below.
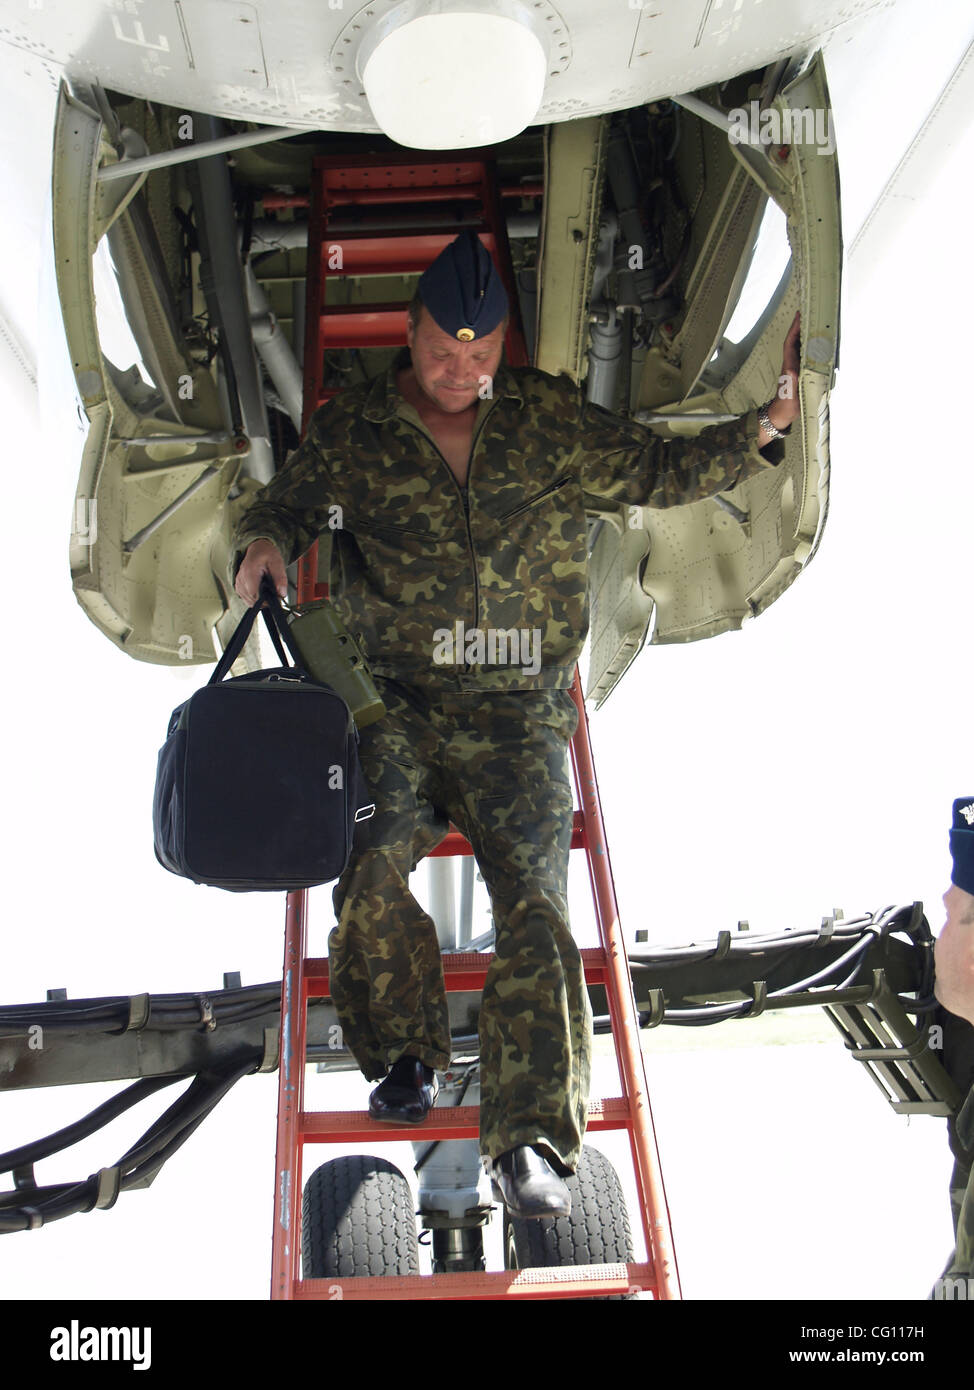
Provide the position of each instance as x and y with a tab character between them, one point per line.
486	590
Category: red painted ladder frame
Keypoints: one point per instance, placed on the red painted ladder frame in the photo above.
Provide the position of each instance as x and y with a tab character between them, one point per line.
406	179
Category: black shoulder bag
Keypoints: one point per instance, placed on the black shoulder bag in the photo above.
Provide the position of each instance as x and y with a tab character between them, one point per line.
258	785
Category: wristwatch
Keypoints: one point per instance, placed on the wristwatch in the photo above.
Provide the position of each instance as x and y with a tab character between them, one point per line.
764	420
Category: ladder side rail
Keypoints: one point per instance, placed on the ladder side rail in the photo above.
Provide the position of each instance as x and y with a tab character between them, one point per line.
286	1247
515	345
314	301
286	1240
625	1022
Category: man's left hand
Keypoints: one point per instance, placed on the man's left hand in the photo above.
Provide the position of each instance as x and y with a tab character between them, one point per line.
785	408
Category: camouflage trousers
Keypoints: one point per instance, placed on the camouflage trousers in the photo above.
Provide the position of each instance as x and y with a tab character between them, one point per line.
496	765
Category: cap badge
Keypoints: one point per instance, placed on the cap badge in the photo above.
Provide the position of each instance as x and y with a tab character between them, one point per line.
465	334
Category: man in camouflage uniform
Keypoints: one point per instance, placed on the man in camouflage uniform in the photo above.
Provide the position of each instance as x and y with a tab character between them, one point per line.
954	965
461	566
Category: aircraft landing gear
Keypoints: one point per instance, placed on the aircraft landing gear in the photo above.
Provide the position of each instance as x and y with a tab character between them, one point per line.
456	1250
358	1218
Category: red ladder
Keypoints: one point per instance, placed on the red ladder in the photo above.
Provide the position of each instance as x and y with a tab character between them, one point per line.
465	179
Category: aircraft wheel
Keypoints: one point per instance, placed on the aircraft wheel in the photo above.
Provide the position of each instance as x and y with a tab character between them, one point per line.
358	1218
596	1231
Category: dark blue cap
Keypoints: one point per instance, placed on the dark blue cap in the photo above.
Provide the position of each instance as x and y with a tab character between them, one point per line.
962	844
462	289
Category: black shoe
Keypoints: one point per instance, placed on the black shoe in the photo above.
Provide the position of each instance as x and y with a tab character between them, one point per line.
528	1185
407	1094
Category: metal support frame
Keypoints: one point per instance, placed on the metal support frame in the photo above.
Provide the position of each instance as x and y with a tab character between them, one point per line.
224	144
898	1056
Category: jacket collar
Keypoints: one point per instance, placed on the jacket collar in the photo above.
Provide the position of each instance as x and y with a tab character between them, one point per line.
385	398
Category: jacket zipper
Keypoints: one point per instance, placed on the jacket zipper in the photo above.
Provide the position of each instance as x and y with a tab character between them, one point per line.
394	530
547	493
466	512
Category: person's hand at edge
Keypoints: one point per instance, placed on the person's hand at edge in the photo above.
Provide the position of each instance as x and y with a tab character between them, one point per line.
262	557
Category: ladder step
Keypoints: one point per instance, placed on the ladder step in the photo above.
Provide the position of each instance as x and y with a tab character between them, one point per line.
445	1122
406	181
462	970
277	202
568	1281
455	842
406	253
394	194
362	325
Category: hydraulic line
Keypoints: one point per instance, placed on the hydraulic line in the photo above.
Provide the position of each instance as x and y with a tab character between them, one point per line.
29	1207
81	1129
712	1013
643	957
169	1011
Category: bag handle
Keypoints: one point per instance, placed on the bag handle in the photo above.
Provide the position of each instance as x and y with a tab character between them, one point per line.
275	637
269	604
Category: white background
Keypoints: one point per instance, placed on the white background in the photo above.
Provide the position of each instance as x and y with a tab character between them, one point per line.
806	763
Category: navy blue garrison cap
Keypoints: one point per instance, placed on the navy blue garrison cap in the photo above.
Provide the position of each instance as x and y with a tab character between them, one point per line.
462	289
962	843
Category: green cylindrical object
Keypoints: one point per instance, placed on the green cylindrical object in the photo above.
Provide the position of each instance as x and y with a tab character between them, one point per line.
332	657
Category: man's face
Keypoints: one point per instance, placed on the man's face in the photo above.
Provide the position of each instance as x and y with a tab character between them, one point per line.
954	955
449	372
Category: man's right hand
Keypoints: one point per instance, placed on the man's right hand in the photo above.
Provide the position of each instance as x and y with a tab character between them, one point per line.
262	557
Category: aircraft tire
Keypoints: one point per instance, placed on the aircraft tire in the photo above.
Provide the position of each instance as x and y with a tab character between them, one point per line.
597	1230
358	1217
